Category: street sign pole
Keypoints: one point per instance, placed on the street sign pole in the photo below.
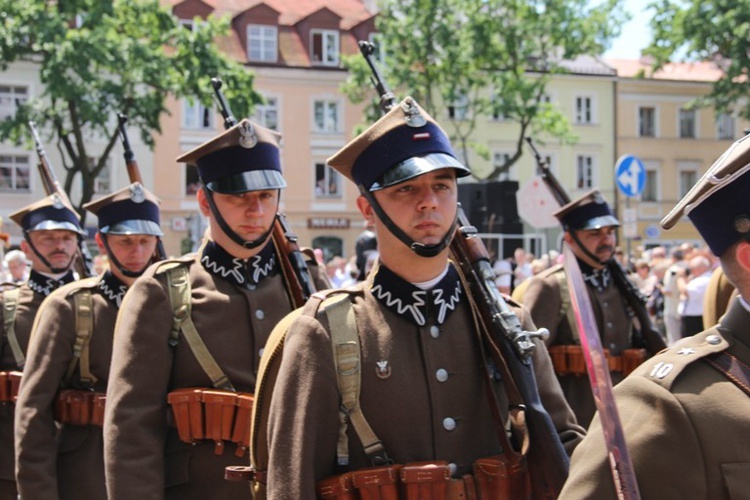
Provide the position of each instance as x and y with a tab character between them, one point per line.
630	176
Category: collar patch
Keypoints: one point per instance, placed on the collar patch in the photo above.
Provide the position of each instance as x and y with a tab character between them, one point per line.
44	285
416	304
112	288
245	273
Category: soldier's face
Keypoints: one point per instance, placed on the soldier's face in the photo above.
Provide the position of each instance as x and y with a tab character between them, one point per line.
248	214
57	246
423	207
132	251
600	242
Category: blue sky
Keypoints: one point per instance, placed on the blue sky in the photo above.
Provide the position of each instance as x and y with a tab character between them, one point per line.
635	33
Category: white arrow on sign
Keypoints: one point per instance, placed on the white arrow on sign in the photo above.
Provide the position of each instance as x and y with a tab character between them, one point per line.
630	175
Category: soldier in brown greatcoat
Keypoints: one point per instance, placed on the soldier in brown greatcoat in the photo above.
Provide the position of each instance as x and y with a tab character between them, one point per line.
69	355
230	295
590	231
422	377
686	411
51	234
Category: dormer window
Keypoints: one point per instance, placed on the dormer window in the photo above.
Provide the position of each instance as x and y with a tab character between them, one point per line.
324	47
262	43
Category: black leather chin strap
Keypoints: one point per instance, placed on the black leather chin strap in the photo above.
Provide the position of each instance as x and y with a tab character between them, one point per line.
228	230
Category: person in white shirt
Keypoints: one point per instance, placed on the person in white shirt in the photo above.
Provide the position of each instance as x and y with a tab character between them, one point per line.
692	290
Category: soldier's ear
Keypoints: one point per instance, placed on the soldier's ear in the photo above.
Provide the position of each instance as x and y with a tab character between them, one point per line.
366	209
742	254
203	201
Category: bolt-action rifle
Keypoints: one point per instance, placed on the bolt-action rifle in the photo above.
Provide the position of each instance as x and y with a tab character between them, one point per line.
504	339
649	337
134	172
300	284
85	264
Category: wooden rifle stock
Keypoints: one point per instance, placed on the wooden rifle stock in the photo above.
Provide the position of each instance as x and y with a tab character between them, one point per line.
297	274
85	264
509	344
134	171
650	337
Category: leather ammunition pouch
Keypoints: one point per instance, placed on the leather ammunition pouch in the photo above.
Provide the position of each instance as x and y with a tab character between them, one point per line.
207	414
76	407
9	384
494	478
569	360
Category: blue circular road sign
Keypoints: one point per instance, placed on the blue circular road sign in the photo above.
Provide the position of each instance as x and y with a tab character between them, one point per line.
630	175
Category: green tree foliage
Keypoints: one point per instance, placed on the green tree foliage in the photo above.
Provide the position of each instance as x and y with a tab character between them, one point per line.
707	30
100	57
485	58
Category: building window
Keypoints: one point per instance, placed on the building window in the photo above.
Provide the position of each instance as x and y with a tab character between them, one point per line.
15	173
324	47
262	43
584	171
688	178
327	182
10	95
268	114
584	110
102	182
459	109
651	187
188	24
326	115
196	116
725	127
687	124
647	122
192	181
501	159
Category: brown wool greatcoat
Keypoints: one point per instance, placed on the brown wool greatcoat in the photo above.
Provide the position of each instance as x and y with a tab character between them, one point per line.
686	424
70	466
407	410
543	299
28	304
144	459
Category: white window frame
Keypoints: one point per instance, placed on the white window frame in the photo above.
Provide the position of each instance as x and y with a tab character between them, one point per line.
270	107
695	123
103	181
10	93
585	109
193	116
500	158
655	110
687	166
590	176
14	167
726	120
266	41
656	170
329	47
459	110
326	127
330	177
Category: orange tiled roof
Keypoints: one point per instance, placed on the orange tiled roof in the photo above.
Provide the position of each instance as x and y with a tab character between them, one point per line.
688	71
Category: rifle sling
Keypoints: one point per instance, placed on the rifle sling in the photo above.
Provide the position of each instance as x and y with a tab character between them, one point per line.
733	369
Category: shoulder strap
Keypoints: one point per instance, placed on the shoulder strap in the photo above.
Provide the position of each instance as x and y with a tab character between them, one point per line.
732	368
10	304
84	330
179	296
347	358
565	305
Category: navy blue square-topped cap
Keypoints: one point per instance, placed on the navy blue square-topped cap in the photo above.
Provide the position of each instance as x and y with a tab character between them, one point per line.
590	211
50	213
243	158
405	143
131	210
718	205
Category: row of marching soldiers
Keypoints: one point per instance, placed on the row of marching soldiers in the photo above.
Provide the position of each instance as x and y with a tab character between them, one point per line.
145	383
